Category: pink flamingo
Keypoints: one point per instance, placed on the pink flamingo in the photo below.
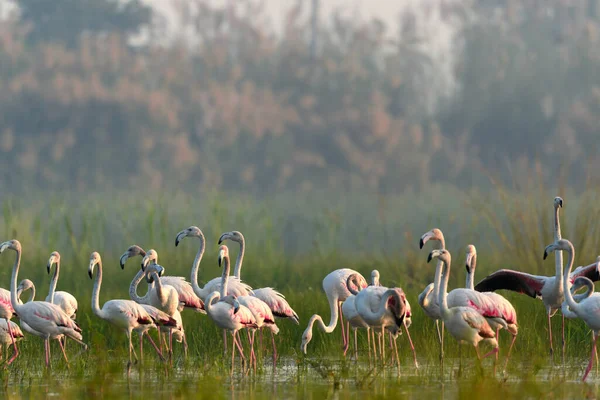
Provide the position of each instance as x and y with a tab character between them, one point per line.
46	318
334	285
464	323
6	312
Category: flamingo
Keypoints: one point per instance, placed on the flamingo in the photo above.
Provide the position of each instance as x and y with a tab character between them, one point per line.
548	288
355	321
275	300
124	314
9	331
163	297
235	288
380	307
497	313
43	317
66	301
464	323
6	312
509	314
334	285
178	331
187	297
259	309
588	309
24	285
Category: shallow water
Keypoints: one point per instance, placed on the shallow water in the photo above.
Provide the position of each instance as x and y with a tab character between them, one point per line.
309	378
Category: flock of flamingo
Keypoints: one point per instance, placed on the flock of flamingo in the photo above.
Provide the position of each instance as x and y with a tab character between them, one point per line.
472	314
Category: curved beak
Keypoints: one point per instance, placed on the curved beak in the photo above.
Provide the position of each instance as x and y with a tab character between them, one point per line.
560	203
123	259
223	237
145	262
430	257
179	237
424	239
91	269
236	307
49	265
547	250
468	262
4	246
220	259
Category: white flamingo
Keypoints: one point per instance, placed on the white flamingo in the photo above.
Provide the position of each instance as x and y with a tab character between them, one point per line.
235	288
66	301
187	297
548	288
259	309
275	300
44	317
124	314
464	323
381	308
497	313
9	331
334	285
178	333
588	309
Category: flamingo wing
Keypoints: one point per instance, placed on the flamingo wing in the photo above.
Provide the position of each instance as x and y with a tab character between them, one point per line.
589	271
476	321
6	308
277	303
516	281
187	297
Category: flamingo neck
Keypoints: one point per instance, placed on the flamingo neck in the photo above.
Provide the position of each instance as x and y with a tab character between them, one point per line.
237	270
470	284
200	292
158	287
208	304
96	292
53	283
13	282
225	276
568	296
133	289
32	295
442	301
438	271
558	255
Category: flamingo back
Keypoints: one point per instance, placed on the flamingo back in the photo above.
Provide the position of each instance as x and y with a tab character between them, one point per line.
277	303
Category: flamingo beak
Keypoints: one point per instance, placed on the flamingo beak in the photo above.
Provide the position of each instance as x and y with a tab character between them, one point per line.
49	265
145	262
430	257
179	237
560	203
223	237
91	269
468	262
123	260
545	253
4	246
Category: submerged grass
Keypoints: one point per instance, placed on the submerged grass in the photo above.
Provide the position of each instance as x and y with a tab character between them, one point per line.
292	243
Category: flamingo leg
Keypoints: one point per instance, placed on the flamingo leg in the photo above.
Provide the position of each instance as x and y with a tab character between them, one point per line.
185	346
382	344
412	347
356	344
171	346
369	344
47	347
239	347
252	355
346	347
397	357
232	351
274	350
509	350
13	342
563	338
442	341
497	333
344	339
158	351
550	334
494	351
225	340
62	347
589	367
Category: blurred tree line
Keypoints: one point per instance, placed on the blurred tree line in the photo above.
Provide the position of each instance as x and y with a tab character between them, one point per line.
81	107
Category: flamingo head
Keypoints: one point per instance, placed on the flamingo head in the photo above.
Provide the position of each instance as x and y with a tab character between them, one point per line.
558	202
236	306
223	254
434	234
151	256
562	244
23	286
471	254
375	277
234	236
94	259
441	254
152	270
306	337
132	251
11	244
54	259
192	231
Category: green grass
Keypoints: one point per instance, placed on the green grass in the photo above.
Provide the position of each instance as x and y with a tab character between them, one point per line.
292	243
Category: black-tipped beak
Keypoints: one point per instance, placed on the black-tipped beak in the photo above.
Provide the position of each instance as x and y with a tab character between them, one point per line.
220	260
90	274
177	241
560	203
468	267
429	257
48	267
421	243
236	309
545	254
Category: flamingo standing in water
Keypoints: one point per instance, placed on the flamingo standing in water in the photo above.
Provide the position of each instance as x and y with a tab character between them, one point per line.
589	308
43	317
187	297
124	314
6	313
497	313
548	288
66	301
334	285
9	331
381	308
259	309
464	323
